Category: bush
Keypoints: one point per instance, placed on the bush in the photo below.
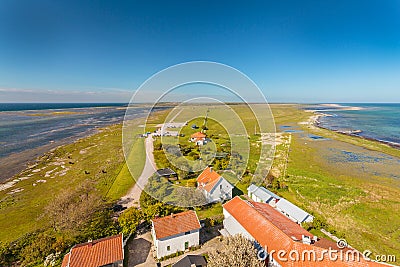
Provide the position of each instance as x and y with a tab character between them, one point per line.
130	219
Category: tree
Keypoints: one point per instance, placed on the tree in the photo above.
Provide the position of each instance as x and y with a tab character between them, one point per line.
130	219
100	225
72	209
152	207
235	251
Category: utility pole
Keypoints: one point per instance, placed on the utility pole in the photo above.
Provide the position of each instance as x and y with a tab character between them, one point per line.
204	128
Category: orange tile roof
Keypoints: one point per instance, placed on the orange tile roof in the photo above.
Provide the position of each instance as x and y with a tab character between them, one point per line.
286	225
198	135
271	231
175	224
208	179
96	253
65	260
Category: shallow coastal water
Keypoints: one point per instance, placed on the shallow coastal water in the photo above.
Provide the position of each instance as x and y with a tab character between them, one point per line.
29	130
376	121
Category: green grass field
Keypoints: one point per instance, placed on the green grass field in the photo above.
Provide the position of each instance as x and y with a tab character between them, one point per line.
98	158
357	199
126	178
360	200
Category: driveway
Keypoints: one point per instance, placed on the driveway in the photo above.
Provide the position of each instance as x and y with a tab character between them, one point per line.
132	197
139	251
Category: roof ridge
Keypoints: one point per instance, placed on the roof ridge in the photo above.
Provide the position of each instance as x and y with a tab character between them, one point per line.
250	203
173	215
266	219
97	241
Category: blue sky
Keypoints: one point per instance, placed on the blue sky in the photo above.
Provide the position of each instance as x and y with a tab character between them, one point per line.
296	51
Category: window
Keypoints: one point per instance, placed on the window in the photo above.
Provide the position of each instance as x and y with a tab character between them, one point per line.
186	245
220	186
188	232
168	248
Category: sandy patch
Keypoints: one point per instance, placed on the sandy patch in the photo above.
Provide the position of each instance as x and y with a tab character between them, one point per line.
16	190
47	174
275	139
7	185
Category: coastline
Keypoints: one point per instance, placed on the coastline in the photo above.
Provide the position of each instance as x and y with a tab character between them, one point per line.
315	121
16	163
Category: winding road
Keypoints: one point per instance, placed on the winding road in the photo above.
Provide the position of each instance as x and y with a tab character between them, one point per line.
131	199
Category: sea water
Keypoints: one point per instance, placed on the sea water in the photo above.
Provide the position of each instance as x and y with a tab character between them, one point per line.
376	121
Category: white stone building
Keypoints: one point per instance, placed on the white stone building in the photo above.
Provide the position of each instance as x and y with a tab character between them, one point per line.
199	138
214	187
176	232
274	233
293	212
261	194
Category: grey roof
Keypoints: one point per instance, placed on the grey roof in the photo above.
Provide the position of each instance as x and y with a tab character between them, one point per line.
292	210
165	172
197	260
262	193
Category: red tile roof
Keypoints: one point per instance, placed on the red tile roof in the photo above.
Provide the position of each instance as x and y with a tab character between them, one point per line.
286	225
175	224
96	253
65	260
208	179
274	231
198	135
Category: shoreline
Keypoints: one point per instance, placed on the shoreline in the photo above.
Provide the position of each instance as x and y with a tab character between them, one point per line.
354	133
17	163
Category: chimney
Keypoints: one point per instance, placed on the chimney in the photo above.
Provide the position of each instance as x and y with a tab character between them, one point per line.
306	239
90	242
211	169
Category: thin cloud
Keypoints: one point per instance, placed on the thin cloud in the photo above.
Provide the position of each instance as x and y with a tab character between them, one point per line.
75	95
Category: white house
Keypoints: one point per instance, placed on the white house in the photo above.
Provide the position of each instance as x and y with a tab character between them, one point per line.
175	232
199	138
261	194
214	187
273	233
293	212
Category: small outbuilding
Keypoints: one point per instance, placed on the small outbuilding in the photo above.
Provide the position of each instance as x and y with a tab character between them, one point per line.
166	172
175	232
293	212
261	194
191	261
199	138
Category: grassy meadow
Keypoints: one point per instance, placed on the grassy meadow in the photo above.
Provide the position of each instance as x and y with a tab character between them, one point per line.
98	158
358	199
358	196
